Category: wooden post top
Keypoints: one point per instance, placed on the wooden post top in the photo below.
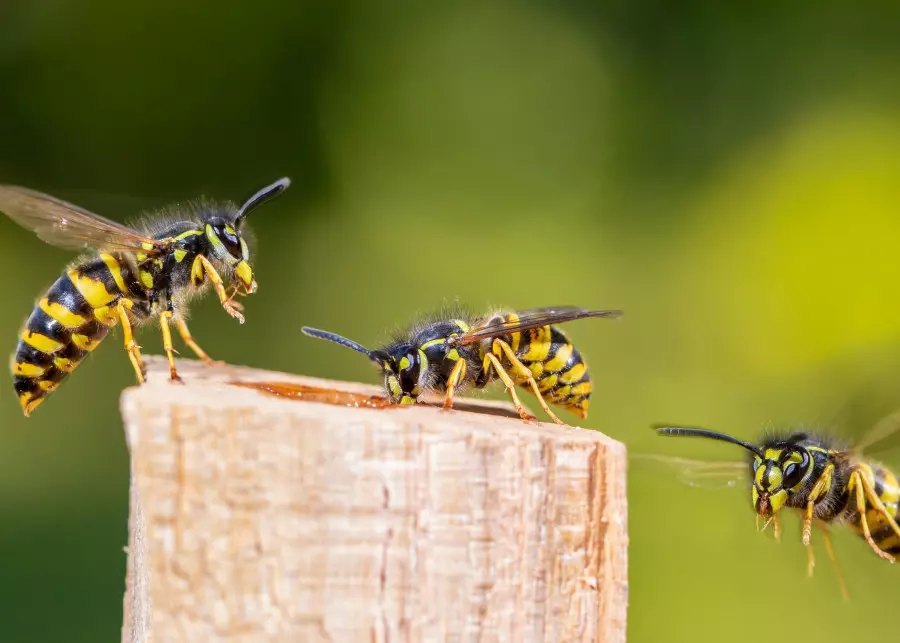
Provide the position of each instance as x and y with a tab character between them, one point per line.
295	517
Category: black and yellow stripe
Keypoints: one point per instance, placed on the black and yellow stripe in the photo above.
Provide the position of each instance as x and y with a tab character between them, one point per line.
557	366
68	323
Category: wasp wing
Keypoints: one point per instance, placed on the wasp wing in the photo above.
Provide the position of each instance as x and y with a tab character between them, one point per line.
878	435
700	473
67	226
532	319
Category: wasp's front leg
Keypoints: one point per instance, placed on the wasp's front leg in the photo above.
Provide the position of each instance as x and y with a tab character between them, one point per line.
202	267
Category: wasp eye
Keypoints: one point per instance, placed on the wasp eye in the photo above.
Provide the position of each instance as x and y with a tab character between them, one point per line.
229	239
408	372
794	472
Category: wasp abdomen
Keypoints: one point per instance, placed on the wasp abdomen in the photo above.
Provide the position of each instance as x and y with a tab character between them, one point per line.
68	323
558	367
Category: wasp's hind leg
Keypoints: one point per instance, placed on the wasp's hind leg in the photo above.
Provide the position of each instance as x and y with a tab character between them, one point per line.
524	373
878	504
188	339
490	360
857	483
131	347
164	319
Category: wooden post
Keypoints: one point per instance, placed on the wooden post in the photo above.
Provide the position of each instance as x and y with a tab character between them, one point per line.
256	517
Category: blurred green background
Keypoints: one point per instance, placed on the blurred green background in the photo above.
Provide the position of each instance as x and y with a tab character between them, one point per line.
727	173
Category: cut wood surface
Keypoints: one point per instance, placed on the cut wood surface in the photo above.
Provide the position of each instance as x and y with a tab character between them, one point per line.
260	518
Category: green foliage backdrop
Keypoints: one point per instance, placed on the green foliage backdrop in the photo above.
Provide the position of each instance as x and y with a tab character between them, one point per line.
725	172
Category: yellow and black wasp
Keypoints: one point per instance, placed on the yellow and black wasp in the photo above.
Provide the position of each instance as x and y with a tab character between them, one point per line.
457	351
138	273
826	482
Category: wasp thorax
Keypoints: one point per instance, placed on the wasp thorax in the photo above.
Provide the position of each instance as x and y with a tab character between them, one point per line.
777	476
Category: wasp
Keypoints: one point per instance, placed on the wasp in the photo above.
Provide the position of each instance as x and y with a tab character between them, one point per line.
135	274
826	482
522	349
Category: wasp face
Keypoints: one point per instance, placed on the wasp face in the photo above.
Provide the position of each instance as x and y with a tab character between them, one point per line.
230	248
405	373
777	475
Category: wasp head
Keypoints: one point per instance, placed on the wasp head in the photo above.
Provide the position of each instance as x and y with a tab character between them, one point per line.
405	366
778	473
405	372
226	241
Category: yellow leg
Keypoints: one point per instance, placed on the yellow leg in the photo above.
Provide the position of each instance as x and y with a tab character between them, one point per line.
826	537
237	292
856	480
491	360
807	523
164	319
822	485
776	522
525	373
456	375
810	560
219	285
189	340
131	347
878	504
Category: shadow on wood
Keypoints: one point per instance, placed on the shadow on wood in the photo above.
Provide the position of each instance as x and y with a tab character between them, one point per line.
257	517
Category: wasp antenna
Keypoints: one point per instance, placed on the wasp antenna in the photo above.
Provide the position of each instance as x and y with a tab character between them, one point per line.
712	435
343	341
265	194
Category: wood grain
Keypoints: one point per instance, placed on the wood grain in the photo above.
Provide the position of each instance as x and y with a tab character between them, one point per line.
258	518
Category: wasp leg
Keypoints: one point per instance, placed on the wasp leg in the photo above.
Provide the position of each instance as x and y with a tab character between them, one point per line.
458	372
188	339
219	285
878	504
810	560
237	293
822	485
525	373
775	521
856	481
164	319
133	350
491	359
826	537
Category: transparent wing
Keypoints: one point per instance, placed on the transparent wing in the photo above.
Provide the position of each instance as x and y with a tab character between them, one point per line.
877	439
67	226
533	319
700	473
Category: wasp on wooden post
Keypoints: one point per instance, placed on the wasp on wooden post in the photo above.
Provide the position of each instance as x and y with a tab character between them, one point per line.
139	273
520	348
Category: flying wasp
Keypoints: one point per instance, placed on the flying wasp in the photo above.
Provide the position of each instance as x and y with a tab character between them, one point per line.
826	482
520	348
138	273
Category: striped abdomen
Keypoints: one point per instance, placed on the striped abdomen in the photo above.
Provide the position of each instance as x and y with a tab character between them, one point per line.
888	490
67	324
558	367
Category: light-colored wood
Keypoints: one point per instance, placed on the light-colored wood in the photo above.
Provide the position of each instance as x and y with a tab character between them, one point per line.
256	518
